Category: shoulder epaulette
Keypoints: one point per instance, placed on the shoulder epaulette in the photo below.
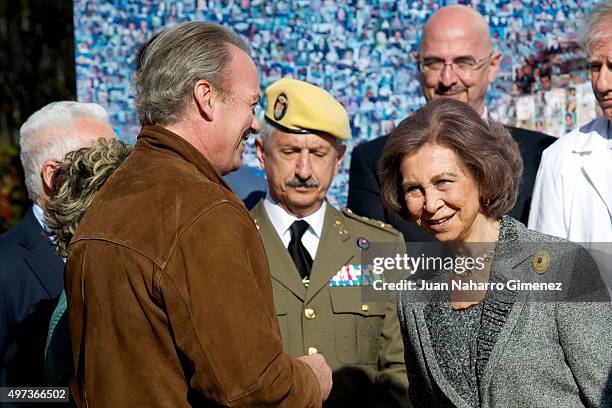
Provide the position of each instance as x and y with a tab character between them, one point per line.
365	220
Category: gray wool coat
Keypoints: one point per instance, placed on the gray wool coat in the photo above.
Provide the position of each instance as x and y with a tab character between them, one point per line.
553	350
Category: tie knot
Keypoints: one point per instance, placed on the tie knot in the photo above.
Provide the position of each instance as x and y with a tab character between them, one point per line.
298	228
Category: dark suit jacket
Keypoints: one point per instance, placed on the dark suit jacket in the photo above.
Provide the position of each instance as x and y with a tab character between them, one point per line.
31	281
247	185
364	192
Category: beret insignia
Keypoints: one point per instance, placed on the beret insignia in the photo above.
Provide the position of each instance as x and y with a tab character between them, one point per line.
280	106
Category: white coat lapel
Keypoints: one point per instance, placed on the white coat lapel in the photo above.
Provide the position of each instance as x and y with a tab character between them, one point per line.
597	161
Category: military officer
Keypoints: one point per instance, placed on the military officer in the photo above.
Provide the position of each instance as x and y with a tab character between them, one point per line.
314	250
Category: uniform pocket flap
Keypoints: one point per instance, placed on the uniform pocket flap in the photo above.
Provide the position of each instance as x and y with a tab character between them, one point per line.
348	300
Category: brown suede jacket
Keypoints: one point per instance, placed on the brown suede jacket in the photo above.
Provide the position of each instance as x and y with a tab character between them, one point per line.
169	292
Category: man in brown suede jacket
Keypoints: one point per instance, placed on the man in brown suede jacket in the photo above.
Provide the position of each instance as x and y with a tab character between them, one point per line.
169	292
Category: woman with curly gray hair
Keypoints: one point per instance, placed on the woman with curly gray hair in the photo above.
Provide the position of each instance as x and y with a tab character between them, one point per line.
483	335
75	183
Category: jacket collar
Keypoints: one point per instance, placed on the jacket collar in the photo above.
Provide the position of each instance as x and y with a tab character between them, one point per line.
41	257
336	249
30	231
162	139
596	142
594	136
282	268
509	259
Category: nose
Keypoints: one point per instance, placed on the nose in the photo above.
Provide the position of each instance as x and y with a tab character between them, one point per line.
433	202
604	80
303	167
255	126
448	76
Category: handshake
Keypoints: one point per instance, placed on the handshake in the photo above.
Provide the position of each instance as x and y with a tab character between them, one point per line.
321	370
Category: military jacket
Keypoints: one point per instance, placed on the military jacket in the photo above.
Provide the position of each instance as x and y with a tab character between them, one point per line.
359	339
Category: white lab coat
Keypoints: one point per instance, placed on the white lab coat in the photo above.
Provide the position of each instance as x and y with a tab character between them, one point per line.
572	196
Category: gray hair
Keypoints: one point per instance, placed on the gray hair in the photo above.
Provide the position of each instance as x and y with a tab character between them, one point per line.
75	184
173	61
596	25
267	129
49	134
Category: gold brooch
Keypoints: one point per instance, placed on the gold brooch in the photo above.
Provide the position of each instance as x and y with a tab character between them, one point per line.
541	261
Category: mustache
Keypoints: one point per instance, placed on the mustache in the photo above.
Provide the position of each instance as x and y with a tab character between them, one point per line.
603	95
296	182
442	90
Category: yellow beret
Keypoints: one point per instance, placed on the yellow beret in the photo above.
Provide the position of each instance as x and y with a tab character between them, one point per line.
299	107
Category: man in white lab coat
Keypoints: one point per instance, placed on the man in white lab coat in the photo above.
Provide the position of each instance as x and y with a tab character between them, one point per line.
572	197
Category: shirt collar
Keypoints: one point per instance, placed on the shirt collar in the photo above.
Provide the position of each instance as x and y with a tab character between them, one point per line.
40	217
282	220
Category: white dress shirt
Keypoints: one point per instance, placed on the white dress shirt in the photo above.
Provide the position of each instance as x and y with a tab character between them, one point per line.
282	221
39	215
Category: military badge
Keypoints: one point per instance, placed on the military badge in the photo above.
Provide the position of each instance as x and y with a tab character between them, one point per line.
280	106
363	243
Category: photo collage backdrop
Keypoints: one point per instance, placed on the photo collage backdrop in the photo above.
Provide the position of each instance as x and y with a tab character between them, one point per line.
360	51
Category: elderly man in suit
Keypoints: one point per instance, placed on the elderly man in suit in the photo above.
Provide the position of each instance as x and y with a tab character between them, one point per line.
314	250
455	60
31	274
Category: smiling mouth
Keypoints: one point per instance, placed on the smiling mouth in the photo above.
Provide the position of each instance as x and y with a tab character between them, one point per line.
243	139
450	94
440	224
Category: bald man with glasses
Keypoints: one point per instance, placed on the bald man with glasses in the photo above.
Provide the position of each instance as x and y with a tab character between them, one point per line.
456	59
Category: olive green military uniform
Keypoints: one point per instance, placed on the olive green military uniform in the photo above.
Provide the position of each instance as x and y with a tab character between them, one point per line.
360	340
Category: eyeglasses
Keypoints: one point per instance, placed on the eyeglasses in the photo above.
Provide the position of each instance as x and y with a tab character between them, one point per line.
462	66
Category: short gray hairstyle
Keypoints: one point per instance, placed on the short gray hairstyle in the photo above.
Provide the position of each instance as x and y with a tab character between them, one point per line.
173	61
597	25
267	128
49	134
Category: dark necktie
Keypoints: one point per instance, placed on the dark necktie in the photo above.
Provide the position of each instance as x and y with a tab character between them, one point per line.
299	254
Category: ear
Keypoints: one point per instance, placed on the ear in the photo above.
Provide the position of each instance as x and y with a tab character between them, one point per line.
341	151
494	65
48	168
205	97
260	152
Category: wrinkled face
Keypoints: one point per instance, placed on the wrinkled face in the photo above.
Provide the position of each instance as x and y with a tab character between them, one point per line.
236	119
474	65
299	168
441	196
600	64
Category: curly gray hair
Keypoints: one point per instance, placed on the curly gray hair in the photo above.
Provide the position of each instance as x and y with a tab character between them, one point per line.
75	184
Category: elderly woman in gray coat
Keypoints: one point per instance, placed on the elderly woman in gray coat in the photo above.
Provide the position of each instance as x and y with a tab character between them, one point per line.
530	323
